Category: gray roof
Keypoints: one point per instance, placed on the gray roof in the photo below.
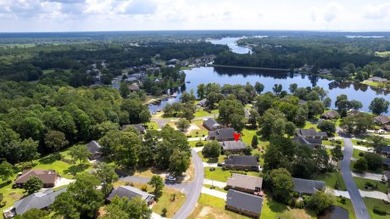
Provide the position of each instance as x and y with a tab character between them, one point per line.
223	134
382	119
130	192
311	133
93	147
386	162
385	149
202	102
245	181
233	145
307	186
244	201
387	174
242	160
331	114
312	142
210	124
37	200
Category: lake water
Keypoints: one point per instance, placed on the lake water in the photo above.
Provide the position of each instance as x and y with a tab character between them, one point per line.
195	76
231	42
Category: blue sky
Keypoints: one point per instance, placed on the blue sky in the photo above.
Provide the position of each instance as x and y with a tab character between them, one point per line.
107	15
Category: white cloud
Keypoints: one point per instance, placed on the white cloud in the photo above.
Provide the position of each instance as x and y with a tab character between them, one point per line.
377	12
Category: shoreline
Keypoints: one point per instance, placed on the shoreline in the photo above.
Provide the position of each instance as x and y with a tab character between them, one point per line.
248	67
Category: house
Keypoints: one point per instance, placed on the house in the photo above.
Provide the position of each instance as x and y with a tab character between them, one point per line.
245	183
242	163
39	200
378	79
386	163
94	148
202	103
331	115
310	137
138	127
384	151
233	146
225	134
48	177
386	176
307	186
386	127
382	120
131	192
211	124
244	203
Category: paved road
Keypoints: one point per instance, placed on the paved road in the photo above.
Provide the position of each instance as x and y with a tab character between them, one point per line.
195	189
356	198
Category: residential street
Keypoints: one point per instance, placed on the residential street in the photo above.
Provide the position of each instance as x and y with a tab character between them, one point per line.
196	187
357	200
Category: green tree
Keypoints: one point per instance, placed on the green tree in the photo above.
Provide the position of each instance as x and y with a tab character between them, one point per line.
183	124
32	214
158	184
292	87
107	176
290	128
79	153
179	162
361	164
320	201
55	140
379	105
327	102
259	87
328	127
187	97
6	171
81	200
201	91
230	110
212	149
336	153
377	141
374	161
358	123
124	208
255	141
124	90
33	184
282	185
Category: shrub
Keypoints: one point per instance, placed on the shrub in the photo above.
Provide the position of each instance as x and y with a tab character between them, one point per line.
361	154
144	188
379	210
343	201
164	212
199	144
338	142
299	204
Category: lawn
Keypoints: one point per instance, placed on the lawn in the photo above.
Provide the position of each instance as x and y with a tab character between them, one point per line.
363	143
370	203
215	188
361	183
347	206
309	125
152	125
383	54
201	132
331	178
201	113
211	207
165	201
276	210
356	153
222	175
247	135
221	158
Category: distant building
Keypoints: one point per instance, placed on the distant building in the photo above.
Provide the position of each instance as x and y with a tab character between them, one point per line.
310	137
245	183
138	127
202	103
382	120
386	176
131	192
39	200
211	124
238	162
233	146
307	186
134	87
94	148
244	203
331	115
384	151
48	177
225	134
386	163
378	79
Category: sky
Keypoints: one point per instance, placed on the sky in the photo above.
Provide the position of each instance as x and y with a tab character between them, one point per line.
131	15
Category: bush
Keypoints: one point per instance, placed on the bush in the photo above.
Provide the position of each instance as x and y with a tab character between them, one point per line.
299	204
361	154
199	144
338	142
379	210
343	201
164	212
144	188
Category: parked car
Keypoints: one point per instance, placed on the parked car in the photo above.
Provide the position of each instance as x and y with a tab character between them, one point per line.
170	179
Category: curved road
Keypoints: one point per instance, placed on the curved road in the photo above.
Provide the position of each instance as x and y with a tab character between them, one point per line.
357	200
194	189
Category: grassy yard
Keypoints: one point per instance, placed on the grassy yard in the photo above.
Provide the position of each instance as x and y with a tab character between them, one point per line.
309	125
276	210
370	203
201	132
361	183
347	206
222	175
383	54
152	125
356	153
331	178
363	143
221	158
201	113
215	188
165	201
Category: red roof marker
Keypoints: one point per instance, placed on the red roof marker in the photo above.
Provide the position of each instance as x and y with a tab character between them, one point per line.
236	136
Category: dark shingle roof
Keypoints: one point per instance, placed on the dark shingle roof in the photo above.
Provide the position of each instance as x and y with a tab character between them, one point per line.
233	145
224	134
386	162
37	200
330	115
385	149
93	147
244	181
387	174
382	119
47	176
307	186
130	192
311	133
210	124
242	160
244	201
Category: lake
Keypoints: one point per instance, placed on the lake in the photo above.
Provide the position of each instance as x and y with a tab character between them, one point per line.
195	76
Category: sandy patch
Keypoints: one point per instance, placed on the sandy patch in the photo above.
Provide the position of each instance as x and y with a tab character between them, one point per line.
192	127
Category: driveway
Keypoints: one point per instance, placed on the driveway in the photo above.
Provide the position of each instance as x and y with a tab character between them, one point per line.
372	176
215	193
375	194
357	200
214	183
195	188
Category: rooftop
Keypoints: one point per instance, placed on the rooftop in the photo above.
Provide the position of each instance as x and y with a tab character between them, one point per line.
130	192
47	176
244	201
233	145
307	186
242	160
93	147
245	181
